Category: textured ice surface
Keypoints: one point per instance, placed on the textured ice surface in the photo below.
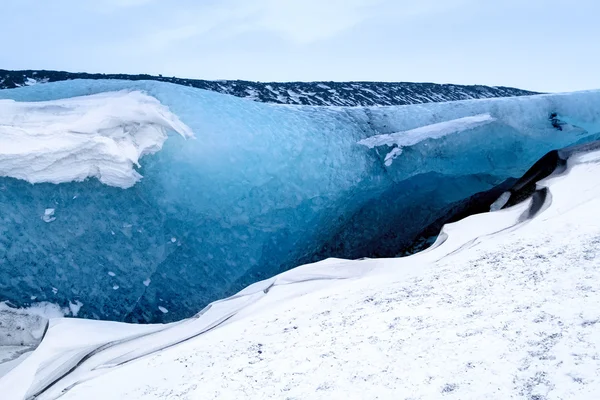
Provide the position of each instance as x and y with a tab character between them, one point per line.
261	189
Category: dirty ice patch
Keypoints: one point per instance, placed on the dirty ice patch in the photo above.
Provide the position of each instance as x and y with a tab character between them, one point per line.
398	140
100	136
25	326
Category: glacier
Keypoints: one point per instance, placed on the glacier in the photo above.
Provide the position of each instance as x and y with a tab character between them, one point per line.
229	192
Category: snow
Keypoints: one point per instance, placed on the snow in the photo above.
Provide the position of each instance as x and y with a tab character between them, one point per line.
25	326
500	307
433	131
75	307
101	136
49	215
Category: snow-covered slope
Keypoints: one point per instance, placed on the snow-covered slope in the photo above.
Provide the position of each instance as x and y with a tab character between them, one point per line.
306	93
504	305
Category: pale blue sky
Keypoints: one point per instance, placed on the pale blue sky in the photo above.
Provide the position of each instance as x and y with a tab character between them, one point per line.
545	45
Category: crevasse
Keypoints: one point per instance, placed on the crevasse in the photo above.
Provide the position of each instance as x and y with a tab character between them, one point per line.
262	188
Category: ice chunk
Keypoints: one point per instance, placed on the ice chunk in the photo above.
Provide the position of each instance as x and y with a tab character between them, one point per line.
75	307
389	158
49	215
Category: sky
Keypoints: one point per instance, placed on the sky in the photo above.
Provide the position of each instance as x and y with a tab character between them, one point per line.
541	45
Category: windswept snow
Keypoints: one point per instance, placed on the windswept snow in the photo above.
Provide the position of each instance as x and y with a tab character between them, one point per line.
500	307
433	131
101	136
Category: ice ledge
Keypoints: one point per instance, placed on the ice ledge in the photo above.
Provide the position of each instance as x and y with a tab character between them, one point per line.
100	136
433	131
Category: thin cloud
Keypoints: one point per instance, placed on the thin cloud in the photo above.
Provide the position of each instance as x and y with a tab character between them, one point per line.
127	3
298	21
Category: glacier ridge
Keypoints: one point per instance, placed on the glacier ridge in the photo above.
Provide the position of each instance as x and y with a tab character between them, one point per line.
263	188
300	93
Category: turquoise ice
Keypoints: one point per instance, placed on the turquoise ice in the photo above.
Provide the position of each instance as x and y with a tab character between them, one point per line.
260	189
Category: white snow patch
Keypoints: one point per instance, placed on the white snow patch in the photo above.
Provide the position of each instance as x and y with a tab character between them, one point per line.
146	282
48	215
101	136
414	136
391	156
163	310
75	307
110	273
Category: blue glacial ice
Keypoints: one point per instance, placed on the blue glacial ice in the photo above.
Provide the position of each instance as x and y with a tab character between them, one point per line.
178	207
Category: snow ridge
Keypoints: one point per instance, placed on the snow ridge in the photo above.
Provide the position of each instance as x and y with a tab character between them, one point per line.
101	136
414	136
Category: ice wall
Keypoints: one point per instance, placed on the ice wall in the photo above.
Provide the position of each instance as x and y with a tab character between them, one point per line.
261	188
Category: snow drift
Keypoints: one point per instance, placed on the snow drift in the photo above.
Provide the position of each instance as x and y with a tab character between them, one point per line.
101	136
262	188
